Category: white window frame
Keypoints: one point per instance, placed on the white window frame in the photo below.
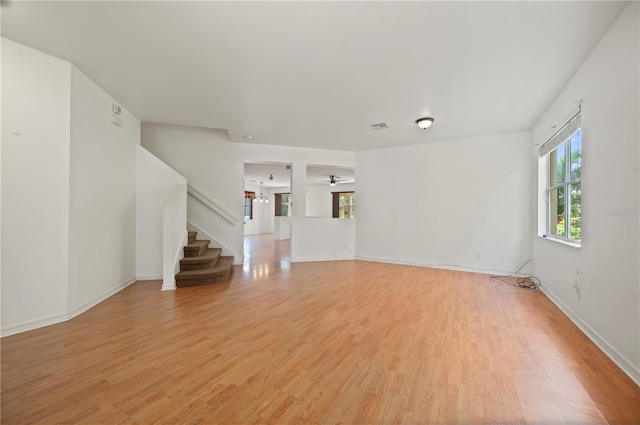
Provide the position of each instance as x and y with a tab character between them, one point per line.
561	137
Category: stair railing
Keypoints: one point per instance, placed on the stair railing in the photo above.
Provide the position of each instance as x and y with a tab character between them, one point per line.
213	206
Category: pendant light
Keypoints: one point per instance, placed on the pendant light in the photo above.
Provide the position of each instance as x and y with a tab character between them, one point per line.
261	198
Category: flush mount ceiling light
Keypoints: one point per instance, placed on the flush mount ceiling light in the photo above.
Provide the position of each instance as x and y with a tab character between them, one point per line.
424	123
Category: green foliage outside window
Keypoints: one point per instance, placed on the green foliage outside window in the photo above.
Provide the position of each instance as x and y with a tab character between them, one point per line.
565	180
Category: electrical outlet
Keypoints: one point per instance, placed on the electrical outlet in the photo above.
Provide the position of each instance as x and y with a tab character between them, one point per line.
111	270
477	256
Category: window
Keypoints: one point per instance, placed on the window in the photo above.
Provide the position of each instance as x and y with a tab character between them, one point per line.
248	205
344	204
282	206
564	191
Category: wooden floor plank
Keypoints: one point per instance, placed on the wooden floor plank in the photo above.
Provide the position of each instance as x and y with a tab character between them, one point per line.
327	342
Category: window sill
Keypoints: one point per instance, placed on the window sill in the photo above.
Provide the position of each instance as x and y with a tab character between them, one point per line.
561	241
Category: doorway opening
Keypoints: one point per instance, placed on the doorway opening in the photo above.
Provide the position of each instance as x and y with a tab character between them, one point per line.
267	216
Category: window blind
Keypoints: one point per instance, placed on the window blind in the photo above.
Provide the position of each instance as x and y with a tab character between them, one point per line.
561	135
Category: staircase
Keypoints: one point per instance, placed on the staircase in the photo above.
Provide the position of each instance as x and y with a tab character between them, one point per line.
202	265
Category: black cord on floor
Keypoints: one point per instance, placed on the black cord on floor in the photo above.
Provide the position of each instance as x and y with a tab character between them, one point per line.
529	283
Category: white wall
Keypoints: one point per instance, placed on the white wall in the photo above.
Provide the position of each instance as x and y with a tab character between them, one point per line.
68	191
155	181
211	164
311	238
282	228
462	204
102	213
35	187
174	235
320	198
215	166
606	267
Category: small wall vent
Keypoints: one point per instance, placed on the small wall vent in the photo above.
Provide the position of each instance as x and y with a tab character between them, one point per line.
380	126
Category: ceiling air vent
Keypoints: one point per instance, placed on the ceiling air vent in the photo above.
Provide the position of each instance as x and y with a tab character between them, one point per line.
380	126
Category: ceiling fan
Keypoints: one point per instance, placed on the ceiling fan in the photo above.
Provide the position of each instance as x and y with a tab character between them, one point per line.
335	179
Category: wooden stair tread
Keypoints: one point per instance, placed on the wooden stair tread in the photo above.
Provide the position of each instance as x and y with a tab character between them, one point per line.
221	267
202	265
196	248
220	272
197	244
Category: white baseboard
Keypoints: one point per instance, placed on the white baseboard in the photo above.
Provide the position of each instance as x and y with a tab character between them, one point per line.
41	322
309	260
97	300
454	267
169	287
154	277
621	361
30	325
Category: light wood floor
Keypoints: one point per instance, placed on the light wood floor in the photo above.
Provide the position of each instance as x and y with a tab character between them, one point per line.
348	342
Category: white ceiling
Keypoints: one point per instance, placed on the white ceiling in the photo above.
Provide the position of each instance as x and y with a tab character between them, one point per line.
255	173
318	74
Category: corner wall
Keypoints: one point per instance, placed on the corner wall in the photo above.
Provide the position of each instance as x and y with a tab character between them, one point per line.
461	204
210	163
102	213
155	182
35	187
68	191
606	266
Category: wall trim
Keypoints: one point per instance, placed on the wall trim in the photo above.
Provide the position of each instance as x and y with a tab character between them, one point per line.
170	284
97	300
454	267
309	260
213	205
41	322
30	325
620	360
152	277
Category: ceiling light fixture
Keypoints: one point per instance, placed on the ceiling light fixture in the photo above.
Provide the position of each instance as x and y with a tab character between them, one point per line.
332	180
424	123
261	198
